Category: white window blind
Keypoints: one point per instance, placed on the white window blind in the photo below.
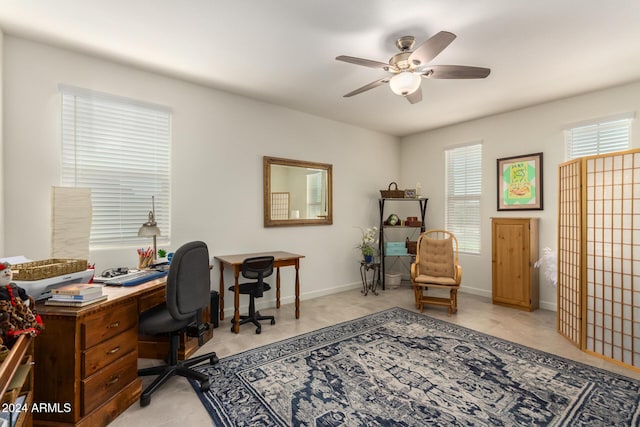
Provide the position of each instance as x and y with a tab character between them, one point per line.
120	149
463	182
599	137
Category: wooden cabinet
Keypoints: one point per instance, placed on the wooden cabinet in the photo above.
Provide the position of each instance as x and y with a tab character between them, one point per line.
16	383
86	371
514	250
87	362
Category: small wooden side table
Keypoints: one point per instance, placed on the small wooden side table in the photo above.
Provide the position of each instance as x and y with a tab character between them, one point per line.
375	276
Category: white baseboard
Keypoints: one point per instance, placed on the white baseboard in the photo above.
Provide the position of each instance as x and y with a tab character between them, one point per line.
545	305
270	302
267	303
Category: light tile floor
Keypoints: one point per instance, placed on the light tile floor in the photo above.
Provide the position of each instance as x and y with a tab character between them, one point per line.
176	404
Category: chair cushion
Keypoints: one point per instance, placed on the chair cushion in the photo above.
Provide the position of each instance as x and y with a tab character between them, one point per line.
434	280
251	288
436	257
158	321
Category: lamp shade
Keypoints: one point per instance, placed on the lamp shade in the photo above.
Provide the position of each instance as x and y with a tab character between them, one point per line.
405	83
148	230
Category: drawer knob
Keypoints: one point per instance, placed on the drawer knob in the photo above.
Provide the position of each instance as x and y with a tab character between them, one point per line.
113	325
113	380
114	350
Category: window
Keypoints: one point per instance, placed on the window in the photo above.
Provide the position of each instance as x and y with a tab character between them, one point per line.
599	137
463	180
314	195
120	148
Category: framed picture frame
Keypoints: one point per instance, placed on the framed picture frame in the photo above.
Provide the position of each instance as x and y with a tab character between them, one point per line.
520	182
410	193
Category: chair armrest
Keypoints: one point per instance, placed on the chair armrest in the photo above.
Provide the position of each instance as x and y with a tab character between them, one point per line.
414	270
458	274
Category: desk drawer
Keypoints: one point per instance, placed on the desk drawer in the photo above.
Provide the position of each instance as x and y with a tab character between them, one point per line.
107	382
108	323
151	300
101	355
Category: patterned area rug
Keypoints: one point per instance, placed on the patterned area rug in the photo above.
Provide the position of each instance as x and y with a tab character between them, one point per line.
400	368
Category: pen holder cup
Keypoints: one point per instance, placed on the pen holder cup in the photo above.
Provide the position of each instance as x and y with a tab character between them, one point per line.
145	261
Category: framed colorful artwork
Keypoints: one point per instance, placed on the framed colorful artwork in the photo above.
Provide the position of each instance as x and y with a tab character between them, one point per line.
520	182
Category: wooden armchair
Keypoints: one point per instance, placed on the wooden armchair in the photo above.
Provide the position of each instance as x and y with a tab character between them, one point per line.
436	267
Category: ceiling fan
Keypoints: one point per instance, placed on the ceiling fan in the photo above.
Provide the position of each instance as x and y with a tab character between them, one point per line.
409	66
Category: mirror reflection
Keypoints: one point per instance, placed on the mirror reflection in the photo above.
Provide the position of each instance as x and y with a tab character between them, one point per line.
297	192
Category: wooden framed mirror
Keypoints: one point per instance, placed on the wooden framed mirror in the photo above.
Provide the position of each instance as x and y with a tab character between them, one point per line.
297	192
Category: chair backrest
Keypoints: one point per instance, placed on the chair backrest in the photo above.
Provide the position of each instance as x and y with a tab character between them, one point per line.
437	253
189	281
257	268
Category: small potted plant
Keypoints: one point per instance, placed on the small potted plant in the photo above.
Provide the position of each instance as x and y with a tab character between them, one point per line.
367	253
368	243
162	256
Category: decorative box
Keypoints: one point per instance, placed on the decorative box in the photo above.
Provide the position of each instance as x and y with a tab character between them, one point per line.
395	249
412	247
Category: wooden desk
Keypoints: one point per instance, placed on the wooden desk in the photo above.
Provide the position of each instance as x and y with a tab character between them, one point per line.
87	357
282	259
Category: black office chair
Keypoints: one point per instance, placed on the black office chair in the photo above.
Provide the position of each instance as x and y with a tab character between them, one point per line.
256	268
187	294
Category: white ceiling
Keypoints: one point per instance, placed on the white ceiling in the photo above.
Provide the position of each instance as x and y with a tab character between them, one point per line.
283	51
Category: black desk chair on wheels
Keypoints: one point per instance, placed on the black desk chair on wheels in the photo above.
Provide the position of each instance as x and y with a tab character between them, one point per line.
256	268
187	294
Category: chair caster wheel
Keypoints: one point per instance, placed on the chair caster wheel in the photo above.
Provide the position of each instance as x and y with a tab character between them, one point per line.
204	386
258	330
232	328
145	400
273	321
213	360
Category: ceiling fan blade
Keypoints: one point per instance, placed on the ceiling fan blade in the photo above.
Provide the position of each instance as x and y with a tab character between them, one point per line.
415	97
365	62
367	87
455	72
430	48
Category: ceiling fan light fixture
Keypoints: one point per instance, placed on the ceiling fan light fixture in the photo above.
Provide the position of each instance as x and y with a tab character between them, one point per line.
404	83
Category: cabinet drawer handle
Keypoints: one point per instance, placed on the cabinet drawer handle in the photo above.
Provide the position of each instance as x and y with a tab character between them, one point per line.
113	325
113	380
114	350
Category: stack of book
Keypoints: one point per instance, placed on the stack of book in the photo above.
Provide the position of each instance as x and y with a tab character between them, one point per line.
76	295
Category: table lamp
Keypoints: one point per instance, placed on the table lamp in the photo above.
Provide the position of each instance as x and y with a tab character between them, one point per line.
150	228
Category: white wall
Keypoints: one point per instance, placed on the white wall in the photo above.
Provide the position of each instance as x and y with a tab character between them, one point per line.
219	140
218	143
530	130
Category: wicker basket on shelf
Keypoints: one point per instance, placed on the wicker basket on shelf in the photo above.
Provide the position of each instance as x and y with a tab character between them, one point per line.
392	194
37	270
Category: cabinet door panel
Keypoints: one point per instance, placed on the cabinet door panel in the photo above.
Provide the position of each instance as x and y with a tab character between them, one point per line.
511	262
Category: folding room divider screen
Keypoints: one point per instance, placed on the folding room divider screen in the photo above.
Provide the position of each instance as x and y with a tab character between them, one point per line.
599	255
